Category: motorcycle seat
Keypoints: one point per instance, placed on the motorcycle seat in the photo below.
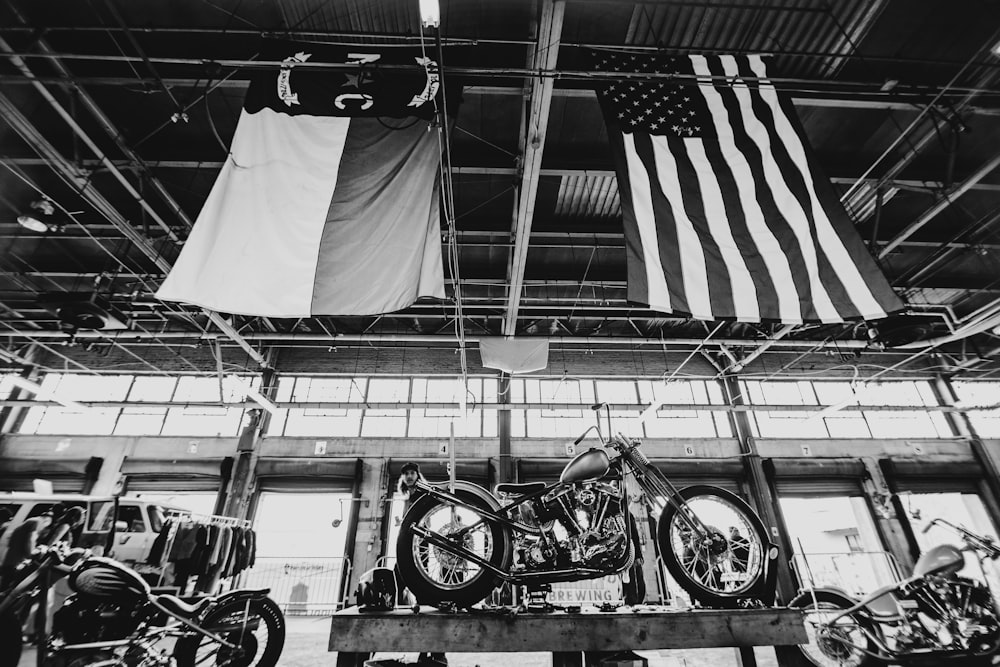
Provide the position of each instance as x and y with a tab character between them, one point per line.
521	489
179	607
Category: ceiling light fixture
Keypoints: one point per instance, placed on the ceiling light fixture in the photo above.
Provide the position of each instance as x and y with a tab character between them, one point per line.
44	394
33	220
430	13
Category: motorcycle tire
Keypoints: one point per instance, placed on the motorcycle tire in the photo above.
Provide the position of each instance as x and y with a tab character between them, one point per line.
11	640
823	648
721	572
196	649
435	576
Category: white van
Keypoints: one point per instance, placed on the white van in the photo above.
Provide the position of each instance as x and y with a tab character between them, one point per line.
139	521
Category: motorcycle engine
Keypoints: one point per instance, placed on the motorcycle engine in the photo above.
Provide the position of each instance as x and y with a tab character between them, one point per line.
952	613
77	622
582	526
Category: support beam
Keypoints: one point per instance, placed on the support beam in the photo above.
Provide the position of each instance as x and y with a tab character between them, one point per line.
545	56
105	121
78	181
946	200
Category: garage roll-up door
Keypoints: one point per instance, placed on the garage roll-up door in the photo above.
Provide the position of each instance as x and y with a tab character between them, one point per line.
816	477
66	475
933	476
724	473
302	474
159	475
476	471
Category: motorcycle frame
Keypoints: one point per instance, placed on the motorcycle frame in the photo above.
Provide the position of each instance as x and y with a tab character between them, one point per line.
41	574
868	623
659	492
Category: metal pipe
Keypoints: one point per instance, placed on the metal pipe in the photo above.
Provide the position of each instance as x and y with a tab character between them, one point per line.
19	63
945	201
263	336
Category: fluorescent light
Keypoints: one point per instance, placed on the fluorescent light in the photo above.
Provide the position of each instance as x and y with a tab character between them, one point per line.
430	13
44	394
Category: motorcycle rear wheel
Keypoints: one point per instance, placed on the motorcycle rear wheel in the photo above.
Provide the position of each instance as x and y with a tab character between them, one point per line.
257	648
717	570
833	646
434	575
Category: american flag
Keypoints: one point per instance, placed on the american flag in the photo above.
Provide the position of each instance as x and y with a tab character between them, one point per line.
726	215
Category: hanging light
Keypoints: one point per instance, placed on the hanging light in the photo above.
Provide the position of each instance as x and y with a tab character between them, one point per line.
430	13
33	219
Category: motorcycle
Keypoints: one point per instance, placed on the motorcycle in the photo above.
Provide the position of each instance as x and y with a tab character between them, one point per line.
931	618
455	546
114	619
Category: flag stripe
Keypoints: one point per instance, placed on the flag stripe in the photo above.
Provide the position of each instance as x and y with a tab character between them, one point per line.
690	255
638	290
719	206
738	152
844	263
716	274
814	300
253	249
383	213
746	132
832	300
657	293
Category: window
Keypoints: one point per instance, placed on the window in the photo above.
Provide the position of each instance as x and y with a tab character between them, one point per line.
101	514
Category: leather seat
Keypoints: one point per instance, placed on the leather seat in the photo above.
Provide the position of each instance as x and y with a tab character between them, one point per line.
179	607
520	489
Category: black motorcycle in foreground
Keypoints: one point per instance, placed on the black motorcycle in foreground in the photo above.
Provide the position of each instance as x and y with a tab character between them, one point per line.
455	547
113	619
935	617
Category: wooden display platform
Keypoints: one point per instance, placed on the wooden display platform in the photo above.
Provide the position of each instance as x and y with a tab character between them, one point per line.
651	628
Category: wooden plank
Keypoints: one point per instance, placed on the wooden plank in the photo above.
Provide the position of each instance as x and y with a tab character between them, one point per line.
404	631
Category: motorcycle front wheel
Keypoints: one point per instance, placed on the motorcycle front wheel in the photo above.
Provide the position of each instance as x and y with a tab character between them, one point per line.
256	627
726	564
435	575
832	644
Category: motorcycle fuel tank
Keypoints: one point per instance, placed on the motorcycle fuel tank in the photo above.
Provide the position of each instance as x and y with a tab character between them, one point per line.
106	578
591	464
942	559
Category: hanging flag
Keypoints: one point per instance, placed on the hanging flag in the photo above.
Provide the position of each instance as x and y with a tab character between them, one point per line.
726	215
328	200
514	355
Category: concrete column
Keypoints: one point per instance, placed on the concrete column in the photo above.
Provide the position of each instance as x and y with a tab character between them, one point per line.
506	471
366	513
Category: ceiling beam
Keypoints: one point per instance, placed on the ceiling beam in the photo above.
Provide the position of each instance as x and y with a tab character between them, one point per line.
946	200
532	139
78	180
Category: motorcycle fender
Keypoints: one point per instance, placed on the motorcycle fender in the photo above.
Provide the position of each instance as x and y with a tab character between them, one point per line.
242	594
806	596
473	489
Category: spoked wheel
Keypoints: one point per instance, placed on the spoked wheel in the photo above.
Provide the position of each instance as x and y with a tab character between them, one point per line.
432	572
725	564
255	627
837	643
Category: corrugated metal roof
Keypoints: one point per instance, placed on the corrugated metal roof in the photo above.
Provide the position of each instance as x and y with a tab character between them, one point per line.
588	196
812	26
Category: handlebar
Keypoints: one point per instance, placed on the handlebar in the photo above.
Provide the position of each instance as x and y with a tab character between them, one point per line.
974	540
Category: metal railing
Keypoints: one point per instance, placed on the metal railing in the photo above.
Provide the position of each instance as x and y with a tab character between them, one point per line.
302	586
857	572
